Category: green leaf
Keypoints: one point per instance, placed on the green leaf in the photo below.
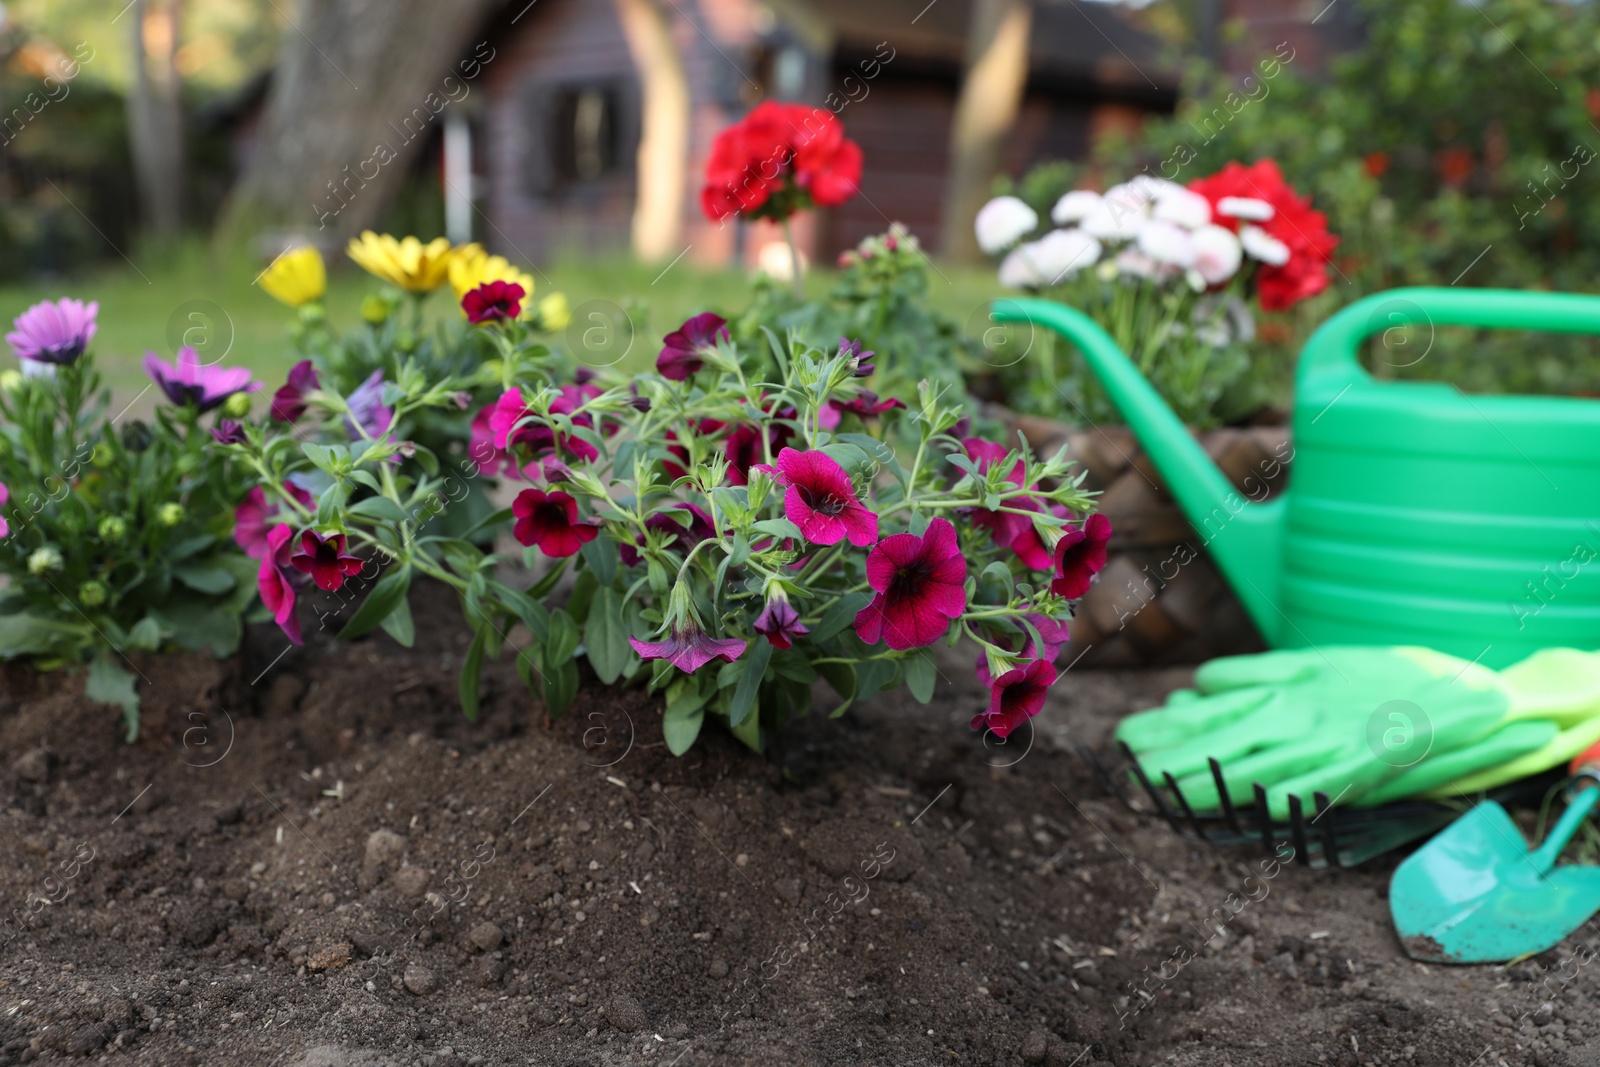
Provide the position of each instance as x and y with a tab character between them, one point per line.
921	675
875	675
388	594
562	640
530	611
779	528
842	677
560	686
365	479
213	580
379	507
606	636
744	697
30	635
995	583
398	625
601	556
681	722
870	445
841	614
109	683
145	635
749	730
855	462
471	668
180	550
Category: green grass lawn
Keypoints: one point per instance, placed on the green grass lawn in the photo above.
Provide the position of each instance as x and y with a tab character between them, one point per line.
158	303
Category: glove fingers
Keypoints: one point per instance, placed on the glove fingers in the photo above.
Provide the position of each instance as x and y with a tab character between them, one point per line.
1561	748
1557	683
1504	745
1191	717
1266	728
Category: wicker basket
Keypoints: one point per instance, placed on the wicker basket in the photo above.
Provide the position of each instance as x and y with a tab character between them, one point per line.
1160	600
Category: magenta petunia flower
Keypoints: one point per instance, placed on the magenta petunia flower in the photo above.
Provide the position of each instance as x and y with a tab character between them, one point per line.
690	648
54	331
186	381
272	581
683	350
368	415
779	623
1080	555
254	519
323	557
1015	697
228	432
497	301
5	495
821	501
1028	545
867	405
1004	527
537	435
921	586
1052	632
550	522
289	402
852	349
683	537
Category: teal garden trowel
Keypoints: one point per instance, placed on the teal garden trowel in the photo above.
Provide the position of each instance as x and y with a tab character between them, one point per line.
1477	894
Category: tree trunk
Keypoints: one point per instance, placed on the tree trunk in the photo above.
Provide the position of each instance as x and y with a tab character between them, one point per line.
155	114
664	136
357	92
986	112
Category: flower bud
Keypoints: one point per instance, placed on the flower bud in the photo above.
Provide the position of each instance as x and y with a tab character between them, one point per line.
170	514
113	529
43	561
9	380
375	309
236	406
136	436
101	456
91	594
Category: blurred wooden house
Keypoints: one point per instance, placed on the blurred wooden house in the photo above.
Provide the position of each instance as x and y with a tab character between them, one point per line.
556	136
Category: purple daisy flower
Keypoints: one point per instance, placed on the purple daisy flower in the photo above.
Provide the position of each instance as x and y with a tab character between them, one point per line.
54	332
186	381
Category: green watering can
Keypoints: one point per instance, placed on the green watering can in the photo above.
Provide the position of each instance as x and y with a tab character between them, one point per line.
1417	515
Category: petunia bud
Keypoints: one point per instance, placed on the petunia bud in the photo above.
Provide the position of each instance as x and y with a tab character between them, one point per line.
236	406
9	380
44	560
91	594
113	529
136	436
170	514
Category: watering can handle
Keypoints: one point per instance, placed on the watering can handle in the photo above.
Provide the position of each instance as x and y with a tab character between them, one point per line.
1332	350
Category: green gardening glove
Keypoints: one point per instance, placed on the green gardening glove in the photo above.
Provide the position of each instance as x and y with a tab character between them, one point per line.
1353	722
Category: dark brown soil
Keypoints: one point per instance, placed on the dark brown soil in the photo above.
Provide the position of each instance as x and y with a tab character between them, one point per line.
319	862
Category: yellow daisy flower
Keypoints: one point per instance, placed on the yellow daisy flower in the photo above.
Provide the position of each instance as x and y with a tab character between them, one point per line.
471	266
408	263
554	312
297	277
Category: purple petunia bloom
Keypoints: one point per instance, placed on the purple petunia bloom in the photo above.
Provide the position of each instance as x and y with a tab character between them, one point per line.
852	349
289	402
54	332
367	412
187	381
683	351
690	648
228	432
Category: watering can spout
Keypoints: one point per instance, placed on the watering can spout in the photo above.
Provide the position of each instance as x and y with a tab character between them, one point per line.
1244	539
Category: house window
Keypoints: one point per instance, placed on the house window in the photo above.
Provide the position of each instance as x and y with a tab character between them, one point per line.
585	138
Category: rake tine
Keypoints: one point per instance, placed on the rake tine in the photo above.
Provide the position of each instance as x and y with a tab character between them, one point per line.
1297	828
1155	795
1330	849
1227	802
1264	816
1102	776
1183	801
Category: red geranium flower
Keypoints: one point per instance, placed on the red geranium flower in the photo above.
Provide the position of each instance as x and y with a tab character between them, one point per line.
550	521
497	301
254	518
323	557
779	159
779	622
689	648
921	586
1302	230
1080	555
683	351
272	582
1015	697
289	402
821	501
